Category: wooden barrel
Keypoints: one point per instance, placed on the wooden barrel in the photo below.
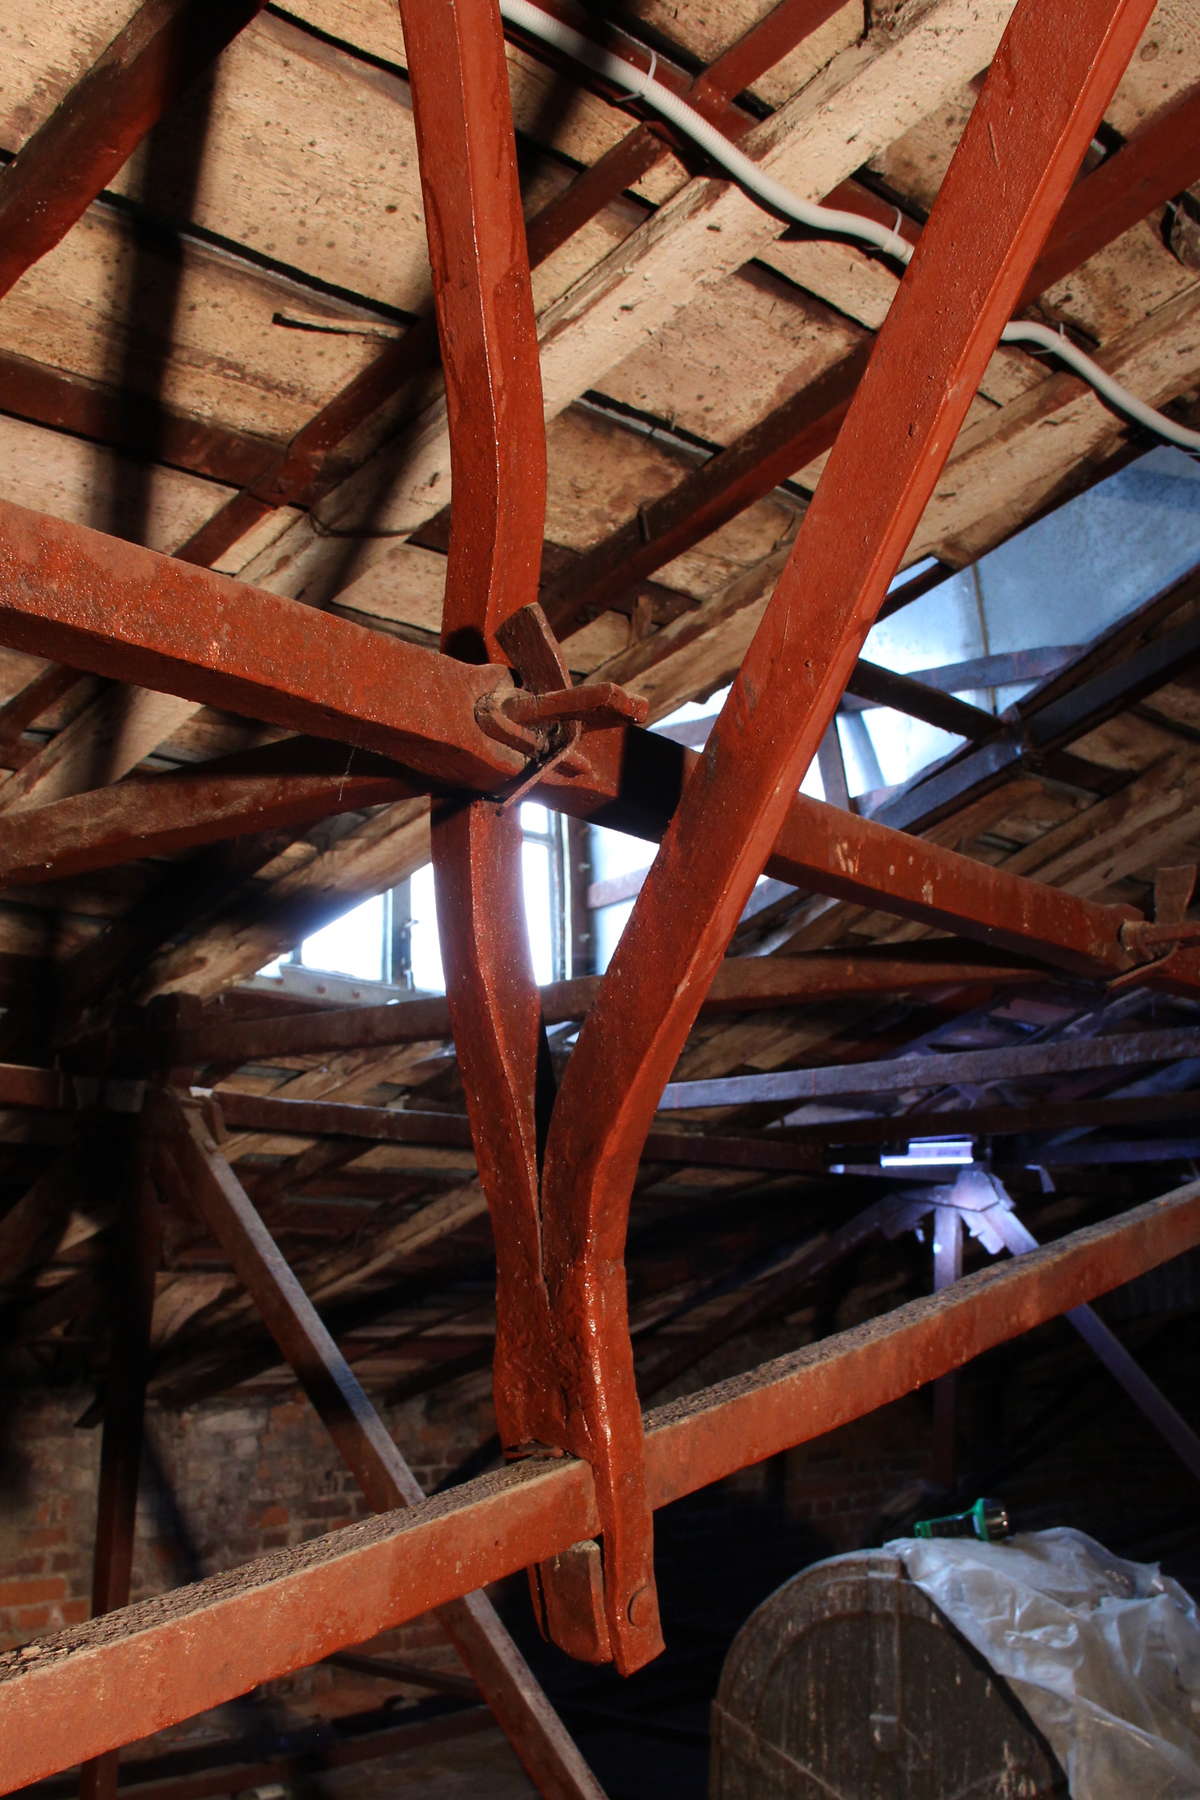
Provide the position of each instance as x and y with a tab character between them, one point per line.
848	1684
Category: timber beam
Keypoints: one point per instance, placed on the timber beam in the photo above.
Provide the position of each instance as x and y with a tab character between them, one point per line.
302	473
741	984
295	784
903	1074
379	1124
79	597
979	1122
186	1156
74	155
94	1686
1158	162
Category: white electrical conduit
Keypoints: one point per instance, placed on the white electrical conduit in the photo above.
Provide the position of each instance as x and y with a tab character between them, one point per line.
828	220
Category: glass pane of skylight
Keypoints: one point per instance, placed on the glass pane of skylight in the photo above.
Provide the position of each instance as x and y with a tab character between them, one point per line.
425	949
351	945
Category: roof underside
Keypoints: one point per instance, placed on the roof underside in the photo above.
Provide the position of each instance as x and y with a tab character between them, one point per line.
262	249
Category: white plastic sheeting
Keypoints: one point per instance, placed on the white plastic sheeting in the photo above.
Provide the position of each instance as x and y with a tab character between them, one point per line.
1103	1654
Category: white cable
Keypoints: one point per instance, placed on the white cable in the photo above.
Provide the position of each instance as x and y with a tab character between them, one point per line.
825	219
642	85
1022	331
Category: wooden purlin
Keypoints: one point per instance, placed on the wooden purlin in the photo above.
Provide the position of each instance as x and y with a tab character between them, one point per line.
303	473
1159	162
90	136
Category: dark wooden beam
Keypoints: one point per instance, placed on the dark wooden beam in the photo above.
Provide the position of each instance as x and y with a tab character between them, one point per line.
1048	724
981	1122
1022	1062
906	695
188	1155
133	423
295	783
135	1249
741	984
91	134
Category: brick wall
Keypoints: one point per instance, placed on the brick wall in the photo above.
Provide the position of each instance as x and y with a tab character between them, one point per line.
221	1483
1041	1424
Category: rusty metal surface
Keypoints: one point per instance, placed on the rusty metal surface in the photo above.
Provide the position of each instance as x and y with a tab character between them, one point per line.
82	598
856	859
558	1170
493	1002
563	1375
97	1685
85	599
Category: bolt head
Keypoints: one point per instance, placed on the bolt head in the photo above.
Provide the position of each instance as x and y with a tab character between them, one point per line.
641	1608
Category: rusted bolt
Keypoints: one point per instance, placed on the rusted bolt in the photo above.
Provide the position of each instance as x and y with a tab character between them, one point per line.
641	1608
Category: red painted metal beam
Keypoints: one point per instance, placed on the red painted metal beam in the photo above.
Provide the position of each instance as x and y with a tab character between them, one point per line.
91	601
837	853
760	48
486	324
88	600
72	157
94	1686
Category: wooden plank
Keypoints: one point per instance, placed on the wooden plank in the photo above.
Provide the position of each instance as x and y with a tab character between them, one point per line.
290	784
131	1298
906	1073
862	97
75	154
471	1622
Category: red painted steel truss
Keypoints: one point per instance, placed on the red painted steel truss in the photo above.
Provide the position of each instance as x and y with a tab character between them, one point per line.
492	717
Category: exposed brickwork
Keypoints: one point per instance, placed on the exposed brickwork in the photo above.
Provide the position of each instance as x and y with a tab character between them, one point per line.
221	1483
